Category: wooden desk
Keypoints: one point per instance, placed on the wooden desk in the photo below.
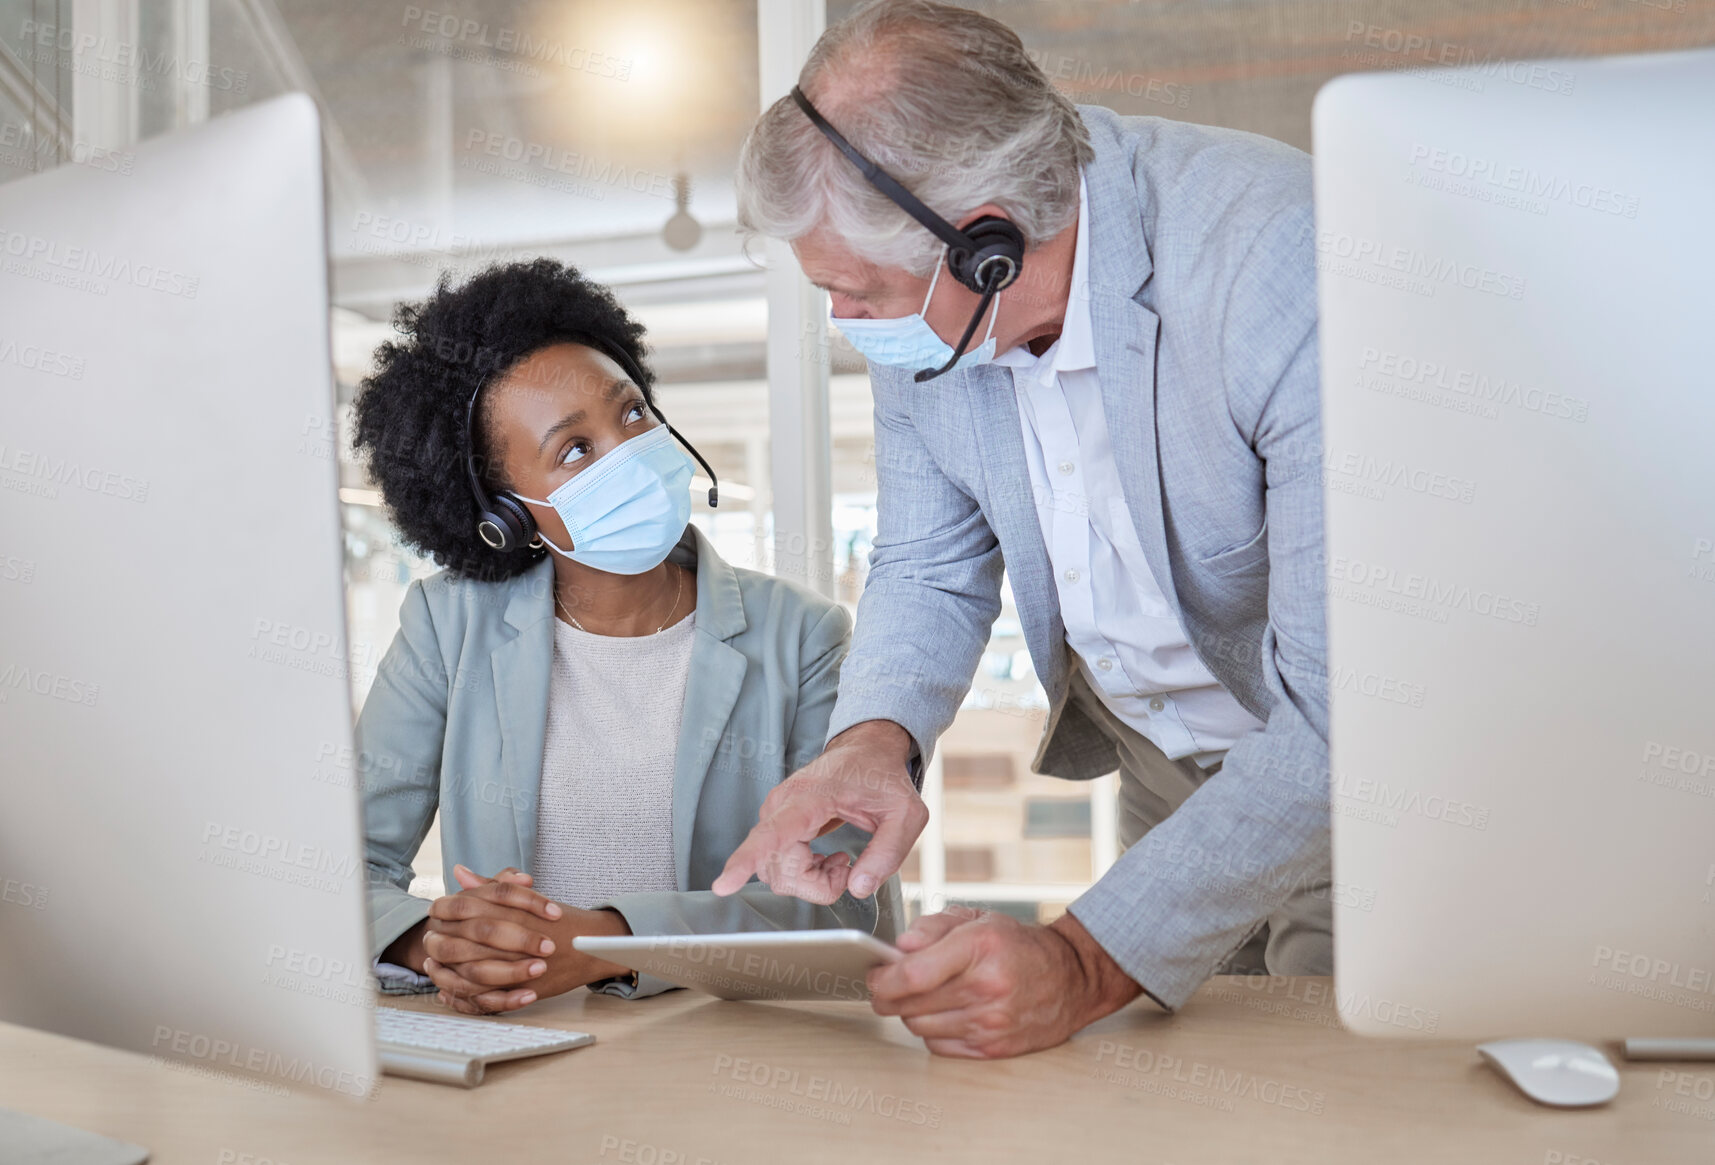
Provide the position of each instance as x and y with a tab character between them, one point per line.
1251	1071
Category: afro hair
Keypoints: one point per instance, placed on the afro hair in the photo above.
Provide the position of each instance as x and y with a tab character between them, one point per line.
410	412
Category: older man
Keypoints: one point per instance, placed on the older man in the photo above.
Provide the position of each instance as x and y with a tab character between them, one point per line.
1128	416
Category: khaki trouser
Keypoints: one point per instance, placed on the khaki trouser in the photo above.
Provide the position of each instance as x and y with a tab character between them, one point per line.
1298	938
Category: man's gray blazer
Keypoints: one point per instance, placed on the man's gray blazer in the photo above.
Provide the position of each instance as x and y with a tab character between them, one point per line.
1203	300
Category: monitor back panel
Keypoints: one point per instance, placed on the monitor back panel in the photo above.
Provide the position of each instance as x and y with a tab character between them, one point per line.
1519	460
180	857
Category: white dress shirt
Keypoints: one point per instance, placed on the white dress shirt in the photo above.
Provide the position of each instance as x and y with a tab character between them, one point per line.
1126	640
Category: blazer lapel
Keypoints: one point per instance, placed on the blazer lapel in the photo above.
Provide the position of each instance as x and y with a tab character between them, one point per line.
1125	334
711	691
520	668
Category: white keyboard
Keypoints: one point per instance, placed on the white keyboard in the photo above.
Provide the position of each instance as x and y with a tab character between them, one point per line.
456	1049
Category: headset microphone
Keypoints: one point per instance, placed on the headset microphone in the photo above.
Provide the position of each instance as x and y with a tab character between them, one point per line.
985	256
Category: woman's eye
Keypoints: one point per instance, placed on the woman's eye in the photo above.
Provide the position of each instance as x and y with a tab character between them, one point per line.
636	413
577	452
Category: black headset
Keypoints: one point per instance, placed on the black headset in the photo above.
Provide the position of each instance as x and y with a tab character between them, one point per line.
985	257
502	522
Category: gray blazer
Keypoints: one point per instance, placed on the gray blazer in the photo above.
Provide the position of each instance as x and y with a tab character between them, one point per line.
1203	299
457	714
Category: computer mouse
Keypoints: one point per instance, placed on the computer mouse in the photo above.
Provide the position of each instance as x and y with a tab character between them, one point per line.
1563	1073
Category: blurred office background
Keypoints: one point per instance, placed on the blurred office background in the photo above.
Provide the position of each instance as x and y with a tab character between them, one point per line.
464	132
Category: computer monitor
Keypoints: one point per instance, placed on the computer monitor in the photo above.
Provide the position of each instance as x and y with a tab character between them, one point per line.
181	862
1518	451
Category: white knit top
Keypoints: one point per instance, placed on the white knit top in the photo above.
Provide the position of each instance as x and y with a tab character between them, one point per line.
604	822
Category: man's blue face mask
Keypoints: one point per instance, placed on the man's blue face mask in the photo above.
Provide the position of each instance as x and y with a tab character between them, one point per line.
627	510
909	341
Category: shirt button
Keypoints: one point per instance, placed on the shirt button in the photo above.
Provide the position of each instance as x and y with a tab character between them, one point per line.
1105	663
1157	704
1067	467
1072	575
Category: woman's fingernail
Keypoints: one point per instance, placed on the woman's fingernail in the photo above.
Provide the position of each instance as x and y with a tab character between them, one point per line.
554	910
862	886
538	967
527	997
547	946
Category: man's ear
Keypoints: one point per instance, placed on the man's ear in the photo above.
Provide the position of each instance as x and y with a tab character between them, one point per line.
986	210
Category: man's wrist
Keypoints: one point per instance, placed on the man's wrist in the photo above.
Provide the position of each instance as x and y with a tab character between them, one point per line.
886	737
1105	986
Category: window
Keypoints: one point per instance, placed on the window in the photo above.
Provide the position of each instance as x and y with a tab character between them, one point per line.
980	771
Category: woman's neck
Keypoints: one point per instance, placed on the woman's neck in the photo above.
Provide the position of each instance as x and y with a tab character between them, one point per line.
622	604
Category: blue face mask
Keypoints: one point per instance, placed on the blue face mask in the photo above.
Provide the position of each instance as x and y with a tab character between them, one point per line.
910	341
626	511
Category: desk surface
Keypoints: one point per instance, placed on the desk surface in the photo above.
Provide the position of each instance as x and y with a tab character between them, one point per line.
1250	1071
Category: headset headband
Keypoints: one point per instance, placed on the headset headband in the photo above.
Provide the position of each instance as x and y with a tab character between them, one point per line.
885	182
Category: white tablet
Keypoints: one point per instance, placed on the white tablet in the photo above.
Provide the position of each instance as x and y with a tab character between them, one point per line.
764	964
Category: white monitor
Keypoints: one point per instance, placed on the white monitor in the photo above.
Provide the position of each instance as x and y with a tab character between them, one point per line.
1519	458
181	863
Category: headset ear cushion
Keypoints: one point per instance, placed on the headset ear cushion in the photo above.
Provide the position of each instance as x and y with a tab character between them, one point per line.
504	524
520	523
996	239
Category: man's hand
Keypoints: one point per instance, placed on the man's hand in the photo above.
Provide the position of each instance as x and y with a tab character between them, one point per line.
985	985
498	945
860	778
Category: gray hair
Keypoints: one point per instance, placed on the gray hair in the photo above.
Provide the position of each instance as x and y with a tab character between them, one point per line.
944	99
